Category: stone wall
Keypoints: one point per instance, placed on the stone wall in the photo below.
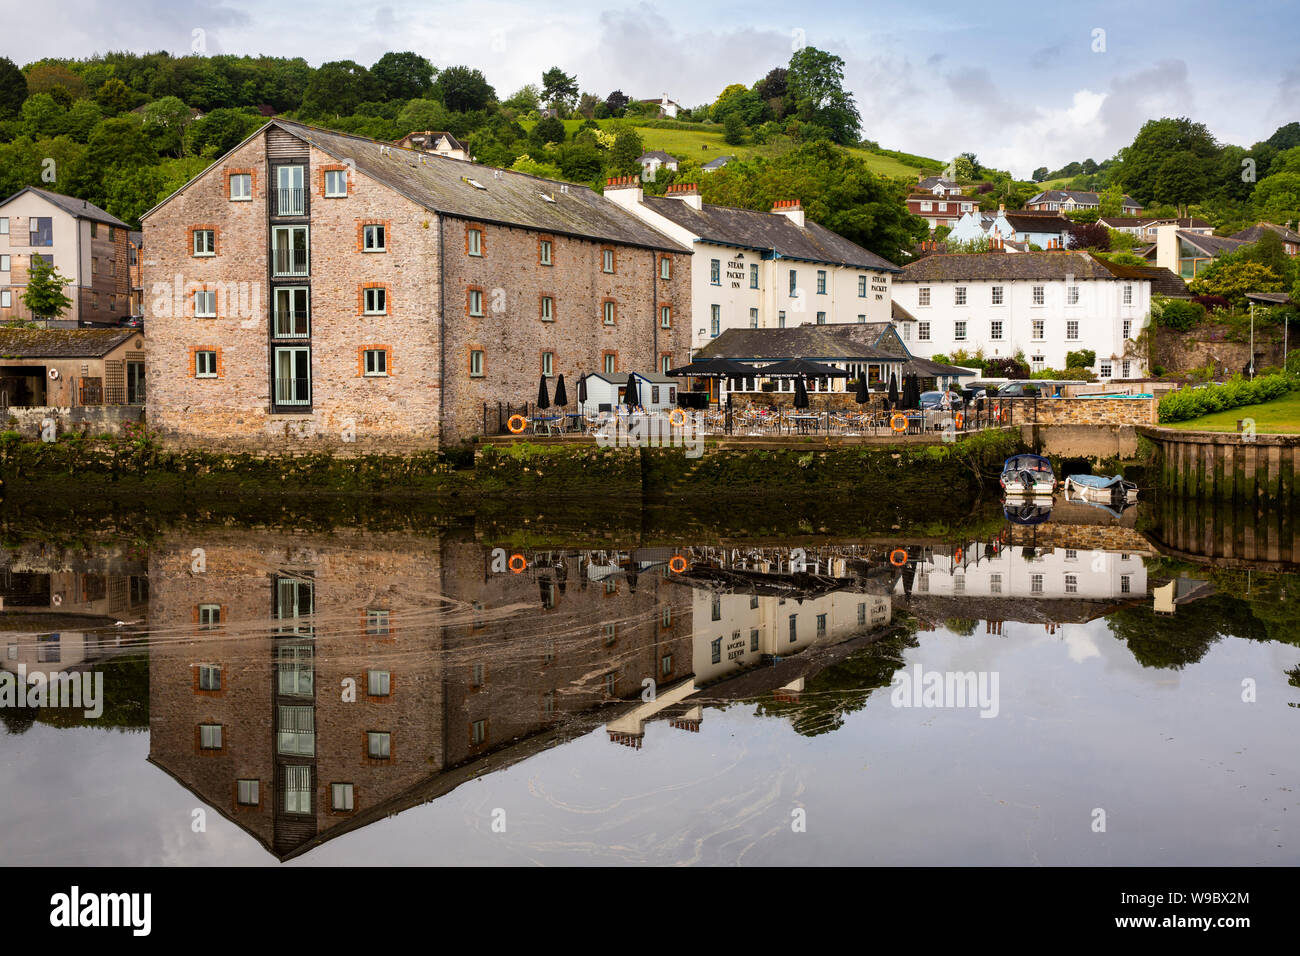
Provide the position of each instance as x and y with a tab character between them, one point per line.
1083	411
1224	466
89	420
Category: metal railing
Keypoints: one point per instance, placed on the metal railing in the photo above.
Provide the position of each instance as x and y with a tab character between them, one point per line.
293	391
290	201
292	324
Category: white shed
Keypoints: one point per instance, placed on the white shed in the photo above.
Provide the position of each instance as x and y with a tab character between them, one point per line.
606	392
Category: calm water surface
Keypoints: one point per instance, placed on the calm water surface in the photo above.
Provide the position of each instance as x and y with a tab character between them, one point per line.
276	697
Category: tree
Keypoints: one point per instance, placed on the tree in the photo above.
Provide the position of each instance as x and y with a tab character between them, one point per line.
773	90
13	88
1181	179
616	103
963	169
1040	174
44	296
733	130
1140	168
165	121
1111	201
1089	235
1084	358
526	99
623	157
43	116
337	87
559	89
219	132
462	88
421	115
1276	197
113	97
549	130
1232	280
403	76
815	80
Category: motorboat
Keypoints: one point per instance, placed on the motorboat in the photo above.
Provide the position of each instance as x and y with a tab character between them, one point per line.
1115	489
1027	510
1025	476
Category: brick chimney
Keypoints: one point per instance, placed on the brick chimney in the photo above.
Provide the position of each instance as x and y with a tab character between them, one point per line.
624	191
792	209
689	193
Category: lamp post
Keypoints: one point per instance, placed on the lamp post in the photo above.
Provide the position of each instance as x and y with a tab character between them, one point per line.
1252	341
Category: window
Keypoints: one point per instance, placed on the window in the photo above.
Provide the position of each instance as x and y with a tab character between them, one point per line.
665	363
292	320
1071	584
923	296
1072	329
611	363
1036	584
943	207
1128	293
923	331
241	186
293	376
780	320
716	608
336	183
927	205
715	272
821	318
753	640
665	267
376	362
478	732
862	319
995	330
607	260
379	683
1127	328
209	677
290	197
373	238
547	308
1038	295
611	634
862	287
379	745
6	299
609	312
793	631
665	317
997	295
1104	370
375	301
959	331
544	248
821	625
1124	368
295	670
1038	328
289	250
1071	295
959	584
1125	584
205	304
1037	363
249	793
474	242
297	733
548	364
342	797
862	613
995	583
753	318
4	263
715	651
209	736
476	302
821	281
907	331
4	225
205	366
753	275
959	295
205	242
715	321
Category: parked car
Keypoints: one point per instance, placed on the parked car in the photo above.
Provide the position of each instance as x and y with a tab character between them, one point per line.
1016	389
935	399
131	322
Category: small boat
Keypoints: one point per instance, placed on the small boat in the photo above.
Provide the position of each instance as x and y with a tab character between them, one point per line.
1098	488
1025	476
1027	510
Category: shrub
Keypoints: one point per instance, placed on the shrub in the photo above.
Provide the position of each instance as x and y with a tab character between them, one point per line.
1084	358
1211	303
1006	368
1188	403
1179	315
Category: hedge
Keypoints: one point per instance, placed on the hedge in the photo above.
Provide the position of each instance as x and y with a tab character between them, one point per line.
1188	403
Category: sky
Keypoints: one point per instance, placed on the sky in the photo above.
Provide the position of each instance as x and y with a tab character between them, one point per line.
1020	85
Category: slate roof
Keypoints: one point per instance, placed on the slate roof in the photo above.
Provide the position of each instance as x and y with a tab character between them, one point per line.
765	232
433	136
717	163
1079	196
929	182
1163	282
72	205
1253	233
1027	265
658	154
62	343
1021	223
836	343
442	185
1211	245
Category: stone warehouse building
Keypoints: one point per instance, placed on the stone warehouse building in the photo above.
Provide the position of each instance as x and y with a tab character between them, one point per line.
323	289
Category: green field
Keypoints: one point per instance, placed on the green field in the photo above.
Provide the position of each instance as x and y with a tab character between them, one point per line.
704	145
1278	417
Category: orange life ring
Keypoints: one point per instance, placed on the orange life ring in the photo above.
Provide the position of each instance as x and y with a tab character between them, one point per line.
894	421
956	555
959	421
899	562
523	563
510	424
674	420
677	564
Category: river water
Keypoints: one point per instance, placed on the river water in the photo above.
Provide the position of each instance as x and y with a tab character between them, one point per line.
1070	691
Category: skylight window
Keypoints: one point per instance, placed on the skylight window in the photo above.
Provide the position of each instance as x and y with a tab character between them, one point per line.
546	197
474	182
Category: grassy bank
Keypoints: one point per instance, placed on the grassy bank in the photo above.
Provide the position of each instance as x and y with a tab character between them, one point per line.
1281	416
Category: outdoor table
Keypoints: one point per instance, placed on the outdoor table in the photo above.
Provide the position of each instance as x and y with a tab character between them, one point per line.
572	421
805	423
545	421
915	424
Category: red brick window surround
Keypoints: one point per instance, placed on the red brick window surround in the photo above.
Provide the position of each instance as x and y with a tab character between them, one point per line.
387	361
333	168
477	367
665	315
199	247
234	795
475	241
249	171
373	299
194	373
542	367
546	307
609	361
608	259
665	363
665	267
474	304
199	689
608	311
378	698
380	239
329	804
211	297
546	250
377	761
